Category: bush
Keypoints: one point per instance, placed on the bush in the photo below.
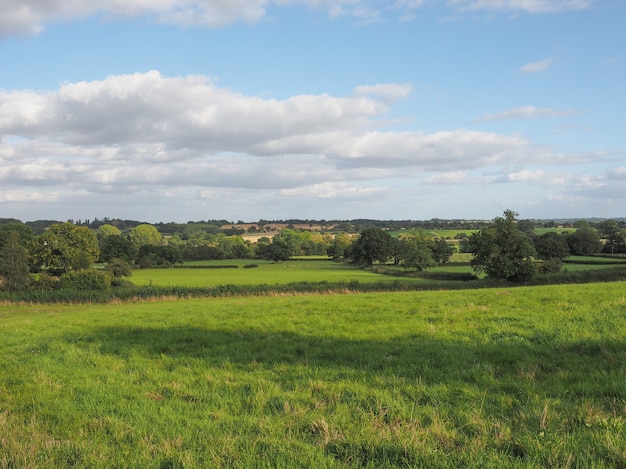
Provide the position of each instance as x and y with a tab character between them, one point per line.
44	281
85	280
550	266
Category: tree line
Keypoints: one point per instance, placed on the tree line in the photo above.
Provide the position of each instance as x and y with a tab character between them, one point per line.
506	248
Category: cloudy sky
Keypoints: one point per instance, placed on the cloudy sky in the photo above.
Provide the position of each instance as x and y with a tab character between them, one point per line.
179	110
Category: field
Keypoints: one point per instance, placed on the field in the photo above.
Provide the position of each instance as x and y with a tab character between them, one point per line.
309	271
266	273
494	378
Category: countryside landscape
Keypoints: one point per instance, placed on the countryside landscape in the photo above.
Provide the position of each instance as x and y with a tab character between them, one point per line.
297	343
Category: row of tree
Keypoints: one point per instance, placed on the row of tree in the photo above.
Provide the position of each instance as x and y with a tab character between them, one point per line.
506	248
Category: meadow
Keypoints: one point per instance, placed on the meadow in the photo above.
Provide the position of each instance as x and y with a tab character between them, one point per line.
192	274
520	377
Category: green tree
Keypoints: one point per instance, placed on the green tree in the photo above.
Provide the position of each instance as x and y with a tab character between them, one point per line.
14	266
119	268
502	251
277	251
145	234
64	247
613	235
584	241
24	233
373	244
442	251
117	247
106	230
339	246
416	251
551	245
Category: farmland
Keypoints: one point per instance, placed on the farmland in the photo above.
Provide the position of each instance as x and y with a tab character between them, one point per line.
517	377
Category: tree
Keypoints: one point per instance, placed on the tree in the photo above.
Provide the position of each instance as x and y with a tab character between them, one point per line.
64	247
502	251
551	245
417	251
442	251
24	233
584	241
163	256
613	235
145	234
117	247
373	244
119	268
14	267
106	230
339	246
277	251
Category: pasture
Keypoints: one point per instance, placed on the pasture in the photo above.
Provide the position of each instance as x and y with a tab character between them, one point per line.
266	273
494	378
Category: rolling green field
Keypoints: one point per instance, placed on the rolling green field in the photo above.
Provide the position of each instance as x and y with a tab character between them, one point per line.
266	273
523	378
306	271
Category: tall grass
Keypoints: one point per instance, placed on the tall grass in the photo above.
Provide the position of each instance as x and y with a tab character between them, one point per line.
494	378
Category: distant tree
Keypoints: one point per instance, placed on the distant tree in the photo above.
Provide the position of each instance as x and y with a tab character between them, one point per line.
24	233
502	251
527	227
14	265
442	251
339	246
551	245
278	250
160	256
145	234
64	247
584	241
417	251
117	247
614	236
373	245
107	230
119	268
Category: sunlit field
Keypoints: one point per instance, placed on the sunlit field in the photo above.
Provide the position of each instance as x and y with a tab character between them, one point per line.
496	378
265	273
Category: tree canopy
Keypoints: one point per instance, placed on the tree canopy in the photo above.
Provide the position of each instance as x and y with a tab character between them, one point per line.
64	247
502	251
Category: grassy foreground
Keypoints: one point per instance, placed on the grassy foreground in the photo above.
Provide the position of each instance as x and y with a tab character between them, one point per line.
527	377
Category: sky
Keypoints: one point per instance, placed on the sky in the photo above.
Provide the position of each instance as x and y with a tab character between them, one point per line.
189	110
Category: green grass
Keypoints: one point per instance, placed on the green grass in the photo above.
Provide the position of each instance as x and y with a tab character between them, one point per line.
526	377
266	273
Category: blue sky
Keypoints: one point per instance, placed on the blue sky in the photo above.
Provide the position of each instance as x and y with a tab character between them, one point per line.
178	110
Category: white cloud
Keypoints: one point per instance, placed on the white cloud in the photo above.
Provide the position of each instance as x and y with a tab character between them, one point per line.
148	139
387	92
448	178
529	6
527	112
31	16
536	67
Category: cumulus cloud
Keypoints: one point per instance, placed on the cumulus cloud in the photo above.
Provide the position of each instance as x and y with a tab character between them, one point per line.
144	137
527	112
536	67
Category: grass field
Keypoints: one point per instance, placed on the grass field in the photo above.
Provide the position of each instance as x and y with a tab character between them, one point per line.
305	271
266	273
522	378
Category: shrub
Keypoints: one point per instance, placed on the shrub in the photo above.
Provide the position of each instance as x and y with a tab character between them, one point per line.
550	266
85	280
44	281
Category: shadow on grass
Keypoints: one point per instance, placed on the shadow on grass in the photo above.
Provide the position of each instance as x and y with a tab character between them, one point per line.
552	367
